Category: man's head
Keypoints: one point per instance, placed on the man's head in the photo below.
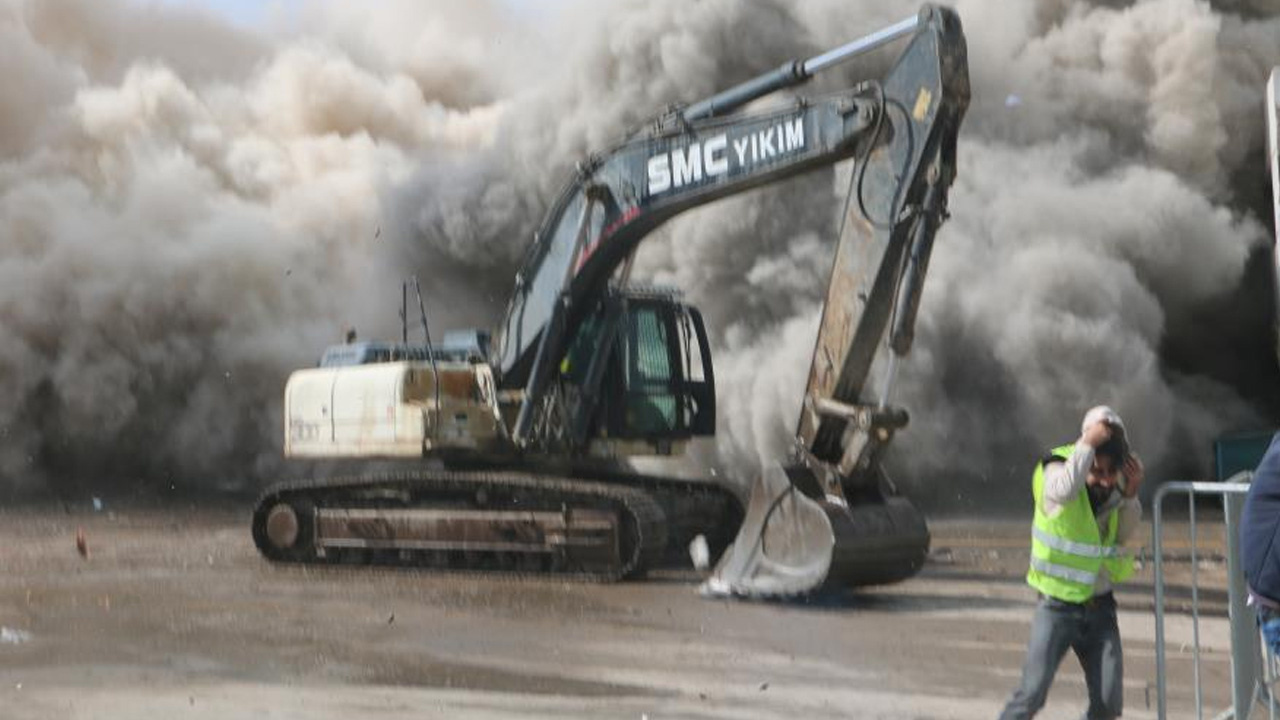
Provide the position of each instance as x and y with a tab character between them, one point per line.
1109	457
1103	472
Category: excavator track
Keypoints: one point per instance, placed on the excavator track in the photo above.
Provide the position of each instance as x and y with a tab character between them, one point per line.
691	508
498	521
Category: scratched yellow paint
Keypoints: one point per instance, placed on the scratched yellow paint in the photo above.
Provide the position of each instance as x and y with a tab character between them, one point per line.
922	104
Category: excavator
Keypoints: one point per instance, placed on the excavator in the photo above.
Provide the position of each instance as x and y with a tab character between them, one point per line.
515	456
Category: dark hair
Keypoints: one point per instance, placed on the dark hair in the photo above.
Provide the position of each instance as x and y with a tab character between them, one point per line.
1116	448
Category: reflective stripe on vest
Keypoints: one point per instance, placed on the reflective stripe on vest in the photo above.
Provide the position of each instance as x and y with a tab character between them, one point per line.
1075	548
1064	572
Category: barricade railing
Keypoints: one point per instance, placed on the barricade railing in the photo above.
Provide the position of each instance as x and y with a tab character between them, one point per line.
1250	679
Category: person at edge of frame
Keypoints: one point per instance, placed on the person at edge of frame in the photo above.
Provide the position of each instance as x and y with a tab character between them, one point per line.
1259	549
1086	507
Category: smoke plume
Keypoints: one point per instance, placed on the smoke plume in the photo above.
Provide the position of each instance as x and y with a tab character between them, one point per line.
190	209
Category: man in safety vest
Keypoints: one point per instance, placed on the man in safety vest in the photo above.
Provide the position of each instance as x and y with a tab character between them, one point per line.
1086	506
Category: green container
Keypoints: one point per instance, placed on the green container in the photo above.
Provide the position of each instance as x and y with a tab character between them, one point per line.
1239	451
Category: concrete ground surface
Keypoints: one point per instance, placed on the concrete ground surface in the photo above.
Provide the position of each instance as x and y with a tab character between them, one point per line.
174	615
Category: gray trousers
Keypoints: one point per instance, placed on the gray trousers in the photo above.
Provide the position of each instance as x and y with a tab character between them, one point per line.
1090	630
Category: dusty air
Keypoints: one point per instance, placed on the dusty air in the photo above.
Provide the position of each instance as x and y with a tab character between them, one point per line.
741	360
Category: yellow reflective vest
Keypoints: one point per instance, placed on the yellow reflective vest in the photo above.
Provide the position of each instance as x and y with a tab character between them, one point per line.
1067	551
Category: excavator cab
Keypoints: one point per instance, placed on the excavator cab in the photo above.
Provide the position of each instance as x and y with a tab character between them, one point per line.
661	383
639	368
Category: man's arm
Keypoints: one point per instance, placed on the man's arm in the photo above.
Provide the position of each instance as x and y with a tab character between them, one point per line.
1063	480
1062	484
1130	508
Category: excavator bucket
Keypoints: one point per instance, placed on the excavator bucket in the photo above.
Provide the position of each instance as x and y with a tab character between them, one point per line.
793	545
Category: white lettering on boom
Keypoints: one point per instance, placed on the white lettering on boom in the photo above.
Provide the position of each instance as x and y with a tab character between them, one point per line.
710	158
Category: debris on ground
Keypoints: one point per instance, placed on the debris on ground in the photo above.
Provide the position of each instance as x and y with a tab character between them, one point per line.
700	553
11	636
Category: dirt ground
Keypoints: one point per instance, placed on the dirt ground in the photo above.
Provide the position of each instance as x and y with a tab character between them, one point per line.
174	615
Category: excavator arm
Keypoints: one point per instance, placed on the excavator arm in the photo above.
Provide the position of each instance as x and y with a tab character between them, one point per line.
828	517
881	260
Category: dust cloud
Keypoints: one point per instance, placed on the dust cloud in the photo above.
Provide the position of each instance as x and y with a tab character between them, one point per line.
1105	245
189	209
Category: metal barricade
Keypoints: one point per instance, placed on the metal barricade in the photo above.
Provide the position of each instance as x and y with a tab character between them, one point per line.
1250	680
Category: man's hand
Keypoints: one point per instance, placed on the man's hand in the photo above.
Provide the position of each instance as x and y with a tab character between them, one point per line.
1133	474
1096	434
